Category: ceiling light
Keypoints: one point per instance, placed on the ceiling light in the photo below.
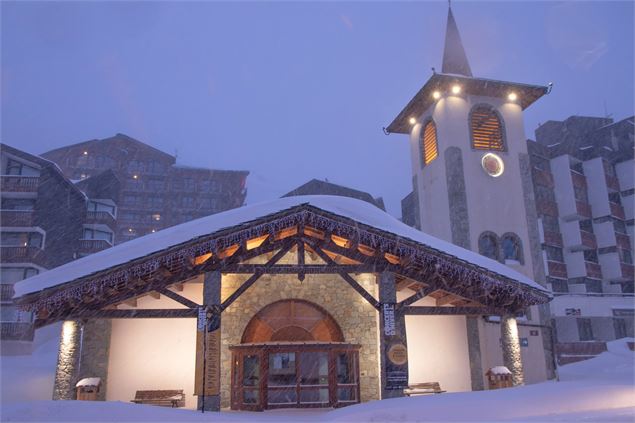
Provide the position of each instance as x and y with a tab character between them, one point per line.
512	97
412	121
456	89
436	95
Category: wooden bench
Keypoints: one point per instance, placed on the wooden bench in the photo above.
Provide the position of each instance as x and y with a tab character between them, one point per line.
166	398
423	389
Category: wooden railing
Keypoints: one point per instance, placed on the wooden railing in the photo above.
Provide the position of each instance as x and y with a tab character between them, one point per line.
617	210
612	183
553	238
588	239
583	209
6	292
557	269
622	241
593	270
17	331
19	183
543	177
628	271
93	245
23	254
101	217
550	208
16	217
578	180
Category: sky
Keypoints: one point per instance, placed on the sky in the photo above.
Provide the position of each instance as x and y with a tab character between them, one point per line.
291	91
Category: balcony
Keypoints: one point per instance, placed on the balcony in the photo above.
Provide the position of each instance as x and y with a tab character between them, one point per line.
583	210
17	183
543	177
593	270
101	217
33	255
557	269
612	183
6	292
628	271
546	207
578	180
17	331
622	241
16	217
617	211
553	238
588	240
89	246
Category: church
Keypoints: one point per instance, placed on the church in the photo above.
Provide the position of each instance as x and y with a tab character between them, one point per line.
322	301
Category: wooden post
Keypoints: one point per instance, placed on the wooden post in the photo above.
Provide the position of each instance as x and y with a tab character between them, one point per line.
208	345
511	348
393	346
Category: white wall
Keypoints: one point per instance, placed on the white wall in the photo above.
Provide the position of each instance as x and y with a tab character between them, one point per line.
626	174
611	266
153	353
596	187
604	234
576	266
590	305
563	186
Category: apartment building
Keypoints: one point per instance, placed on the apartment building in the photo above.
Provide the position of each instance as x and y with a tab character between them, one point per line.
583	171
155	192
45	221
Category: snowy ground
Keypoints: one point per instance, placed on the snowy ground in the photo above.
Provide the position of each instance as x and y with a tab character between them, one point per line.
597	390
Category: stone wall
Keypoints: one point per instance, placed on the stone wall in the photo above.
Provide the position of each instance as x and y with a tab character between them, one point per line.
357	318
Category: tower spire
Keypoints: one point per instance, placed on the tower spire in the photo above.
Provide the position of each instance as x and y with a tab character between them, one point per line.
454	58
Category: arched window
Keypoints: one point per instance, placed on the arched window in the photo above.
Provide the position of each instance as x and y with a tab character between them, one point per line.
429	150
512	250
486	128
488	245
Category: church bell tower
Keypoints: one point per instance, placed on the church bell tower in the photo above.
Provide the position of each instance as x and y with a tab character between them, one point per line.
471	173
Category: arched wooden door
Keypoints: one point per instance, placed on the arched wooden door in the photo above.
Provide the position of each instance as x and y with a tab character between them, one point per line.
292	355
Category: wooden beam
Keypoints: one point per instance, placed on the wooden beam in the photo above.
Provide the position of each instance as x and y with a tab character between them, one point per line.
450	311
417	296
178	287
132	302
285	269
155	295
300	253
352	282
134	314
249	282
178	298
447	299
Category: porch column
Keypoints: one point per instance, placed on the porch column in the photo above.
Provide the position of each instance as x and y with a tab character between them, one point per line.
211	300
392	340
67	361
474	353
95	350
511	348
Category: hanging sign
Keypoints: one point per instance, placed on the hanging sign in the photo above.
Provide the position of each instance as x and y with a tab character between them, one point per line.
389	319
207	355
394	348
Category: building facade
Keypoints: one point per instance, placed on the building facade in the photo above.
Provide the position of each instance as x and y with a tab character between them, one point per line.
155	193
46	221
583	173
472	183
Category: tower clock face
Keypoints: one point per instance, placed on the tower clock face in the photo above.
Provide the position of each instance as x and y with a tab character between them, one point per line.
492	165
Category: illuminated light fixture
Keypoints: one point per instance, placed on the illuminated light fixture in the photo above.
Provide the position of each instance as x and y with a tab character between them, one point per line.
512	97
412	121
135	176
130	229
85	153
493	165
154	230
436	95
456	89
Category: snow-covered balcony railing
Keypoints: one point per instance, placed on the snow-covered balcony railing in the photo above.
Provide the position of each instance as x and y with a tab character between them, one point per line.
16	217
33	255
17	331
18	183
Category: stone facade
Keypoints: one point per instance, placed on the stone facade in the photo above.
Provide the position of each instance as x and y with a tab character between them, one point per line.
95	349
356	317
67	361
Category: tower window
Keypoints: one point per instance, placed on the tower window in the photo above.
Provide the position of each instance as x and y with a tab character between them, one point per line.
488	245
512	249
429	149
486	128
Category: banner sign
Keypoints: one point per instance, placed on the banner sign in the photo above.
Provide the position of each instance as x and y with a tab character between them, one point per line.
394	348
212	357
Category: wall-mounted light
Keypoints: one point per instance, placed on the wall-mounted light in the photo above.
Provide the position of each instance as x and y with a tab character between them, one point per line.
85	153
412	121
135	176
456	89
436	95
512	96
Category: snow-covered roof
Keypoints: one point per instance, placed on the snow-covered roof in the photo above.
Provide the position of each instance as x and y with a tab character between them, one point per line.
89	381
357	210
